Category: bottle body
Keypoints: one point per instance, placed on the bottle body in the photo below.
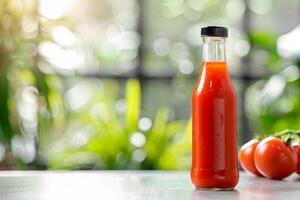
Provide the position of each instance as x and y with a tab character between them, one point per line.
214	129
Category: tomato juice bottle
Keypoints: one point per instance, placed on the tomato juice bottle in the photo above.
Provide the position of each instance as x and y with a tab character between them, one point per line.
214	118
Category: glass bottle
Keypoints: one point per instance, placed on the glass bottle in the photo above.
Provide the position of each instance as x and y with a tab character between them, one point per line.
214	117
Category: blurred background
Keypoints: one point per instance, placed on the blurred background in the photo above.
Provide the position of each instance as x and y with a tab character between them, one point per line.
106	84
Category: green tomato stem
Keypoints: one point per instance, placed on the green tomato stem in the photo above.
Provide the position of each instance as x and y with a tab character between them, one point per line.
290	137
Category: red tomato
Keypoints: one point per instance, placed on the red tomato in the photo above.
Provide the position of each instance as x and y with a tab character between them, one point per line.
246	155
274	159
297	149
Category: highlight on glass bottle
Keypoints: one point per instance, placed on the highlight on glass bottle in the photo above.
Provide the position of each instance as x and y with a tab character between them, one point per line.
214	117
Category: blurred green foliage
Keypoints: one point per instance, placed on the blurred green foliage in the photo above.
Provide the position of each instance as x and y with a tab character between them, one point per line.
18	72
265	41
272	103
113	140
45	125
17	66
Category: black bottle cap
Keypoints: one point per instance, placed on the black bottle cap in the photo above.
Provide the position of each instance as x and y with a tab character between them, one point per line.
214	31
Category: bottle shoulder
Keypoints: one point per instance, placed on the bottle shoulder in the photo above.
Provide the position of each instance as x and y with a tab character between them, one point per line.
214	88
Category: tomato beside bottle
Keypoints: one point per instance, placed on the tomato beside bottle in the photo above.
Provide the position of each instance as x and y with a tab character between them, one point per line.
246	155
274	159
297	149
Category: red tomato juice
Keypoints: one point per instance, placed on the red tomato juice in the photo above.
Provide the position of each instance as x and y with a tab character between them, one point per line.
214	116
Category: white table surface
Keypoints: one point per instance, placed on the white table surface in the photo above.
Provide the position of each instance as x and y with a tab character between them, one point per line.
135	185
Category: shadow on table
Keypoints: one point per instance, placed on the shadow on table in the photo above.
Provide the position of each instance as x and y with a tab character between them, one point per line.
296	179
224	195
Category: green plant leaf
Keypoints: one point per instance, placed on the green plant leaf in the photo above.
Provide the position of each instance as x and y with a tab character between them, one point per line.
5	126
133	103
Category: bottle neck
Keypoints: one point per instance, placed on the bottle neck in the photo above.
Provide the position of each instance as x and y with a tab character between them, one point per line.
214	49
